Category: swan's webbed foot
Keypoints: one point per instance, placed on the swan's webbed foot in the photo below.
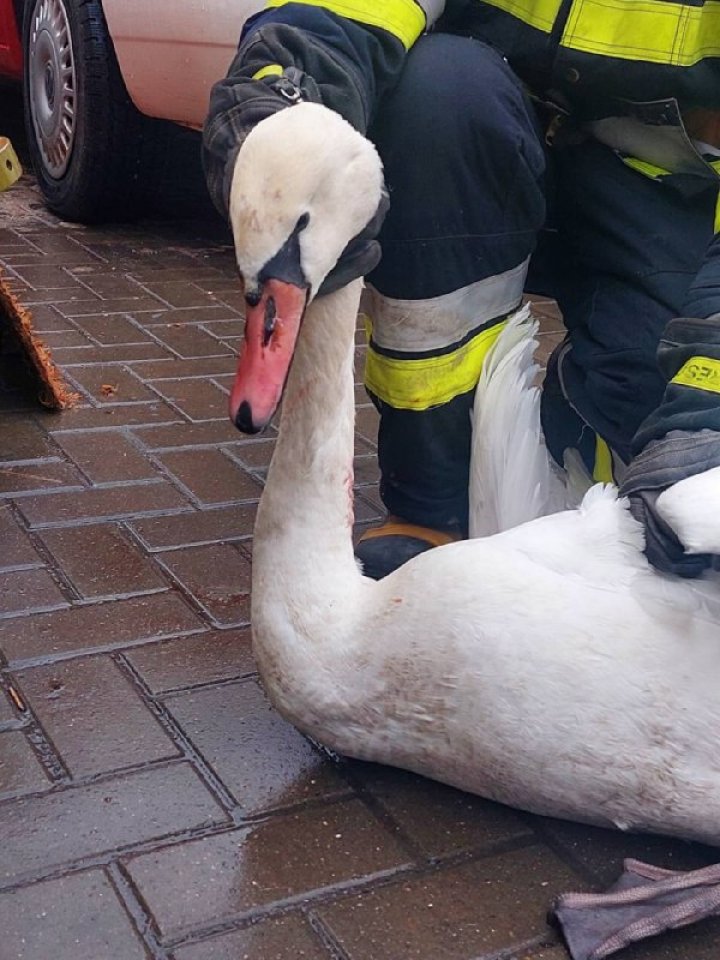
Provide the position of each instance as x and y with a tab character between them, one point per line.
644	902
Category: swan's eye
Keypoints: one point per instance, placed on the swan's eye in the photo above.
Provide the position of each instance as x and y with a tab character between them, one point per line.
253	297
303	221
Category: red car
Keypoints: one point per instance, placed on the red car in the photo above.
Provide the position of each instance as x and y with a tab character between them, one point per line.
100	76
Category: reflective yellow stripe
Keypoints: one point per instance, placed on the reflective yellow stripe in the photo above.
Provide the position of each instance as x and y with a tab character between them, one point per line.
647	169
271	70
656	31
404	19
715	164
603	469
540	14
430	381
703	373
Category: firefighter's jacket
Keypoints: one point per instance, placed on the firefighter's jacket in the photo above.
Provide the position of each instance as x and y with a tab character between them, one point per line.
642	76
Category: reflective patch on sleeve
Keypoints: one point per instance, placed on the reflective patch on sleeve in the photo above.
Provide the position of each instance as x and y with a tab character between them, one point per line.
646	169
540	14
701	373
675	34
271	70
404	19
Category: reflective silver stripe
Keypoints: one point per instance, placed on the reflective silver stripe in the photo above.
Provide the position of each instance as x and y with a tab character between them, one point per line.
433	9
419	325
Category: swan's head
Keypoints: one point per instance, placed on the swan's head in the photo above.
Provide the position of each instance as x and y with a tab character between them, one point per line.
305	183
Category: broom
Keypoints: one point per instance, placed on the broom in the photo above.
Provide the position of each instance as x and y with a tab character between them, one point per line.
18	342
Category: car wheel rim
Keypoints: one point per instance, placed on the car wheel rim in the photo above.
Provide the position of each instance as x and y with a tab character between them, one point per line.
52	85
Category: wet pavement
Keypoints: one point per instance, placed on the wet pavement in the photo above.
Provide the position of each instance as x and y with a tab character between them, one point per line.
152	804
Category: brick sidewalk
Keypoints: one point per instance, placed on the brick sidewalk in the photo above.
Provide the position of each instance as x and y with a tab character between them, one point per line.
152	803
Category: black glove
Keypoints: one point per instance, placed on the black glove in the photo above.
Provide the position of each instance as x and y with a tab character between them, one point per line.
678	455
361	255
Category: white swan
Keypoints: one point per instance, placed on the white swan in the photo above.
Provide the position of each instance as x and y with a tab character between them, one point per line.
546	667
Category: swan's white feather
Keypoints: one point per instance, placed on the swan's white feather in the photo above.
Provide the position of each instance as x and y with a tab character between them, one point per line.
512	479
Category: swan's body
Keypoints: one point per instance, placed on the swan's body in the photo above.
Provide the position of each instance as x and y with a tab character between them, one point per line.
546	667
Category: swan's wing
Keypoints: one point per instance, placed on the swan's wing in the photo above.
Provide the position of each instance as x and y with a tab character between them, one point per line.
600	542
512	479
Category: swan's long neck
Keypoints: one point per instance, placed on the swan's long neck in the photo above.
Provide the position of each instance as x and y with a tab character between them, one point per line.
303	534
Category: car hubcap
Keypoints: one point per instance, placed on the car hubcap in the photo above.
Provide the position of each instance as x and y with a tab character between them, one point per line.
52	85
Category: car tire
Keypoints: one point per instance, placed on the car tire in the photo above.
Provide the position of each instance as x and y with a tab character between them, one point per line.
92	151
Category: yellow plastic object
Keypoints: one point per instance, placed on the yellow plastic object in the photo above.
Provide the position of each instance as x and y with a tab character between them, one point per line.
10	169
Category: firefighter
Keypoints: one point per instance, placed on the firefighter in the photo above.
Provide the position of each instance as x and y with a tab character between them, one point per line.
566	147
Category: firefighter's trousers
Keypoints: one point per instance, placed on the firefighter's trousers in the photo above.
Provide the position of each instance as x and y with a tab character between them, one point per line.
482	210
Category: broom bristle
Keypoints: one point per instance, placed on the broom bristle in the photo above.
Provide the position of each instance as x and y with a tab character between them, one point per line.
52	392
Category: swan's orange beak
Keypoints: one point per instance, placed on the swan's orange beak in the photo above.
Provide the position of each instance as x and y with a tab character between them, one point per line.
271	330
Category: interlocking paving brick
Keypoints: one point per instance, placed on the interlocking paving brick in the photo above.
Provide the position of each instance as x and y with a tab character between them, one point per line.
186	434
85	821
190	341
39	476
539	953
106	456
110	383
367	421
24	591
197	399
111	330
366	470
601	852
59	298
111	286
98	503
458	913
78	916
138	305
57	339
110	417
284	857
46	277
101	562
175	368
20	770
22	439
179	293
94	717
440	820
46	318
102	625
7	713
259	756
234	522
211	476
218	578
256	455
200	658
288	938
16	549
73	357
189	315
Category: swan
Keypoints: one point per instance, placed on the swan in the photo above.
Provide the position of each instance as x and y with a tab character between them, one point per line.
545	666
